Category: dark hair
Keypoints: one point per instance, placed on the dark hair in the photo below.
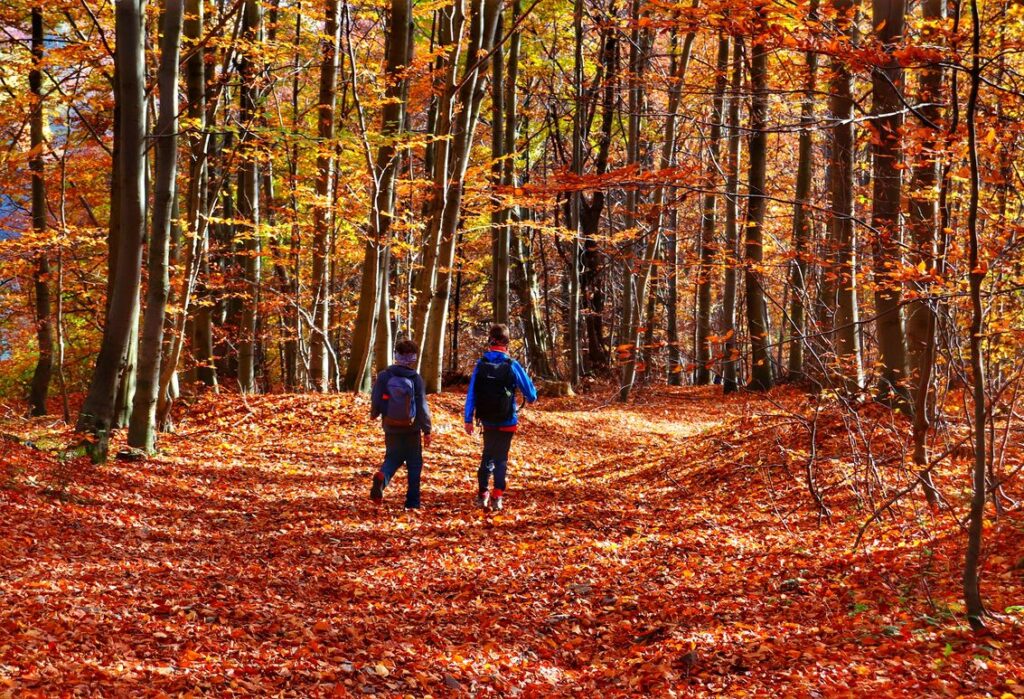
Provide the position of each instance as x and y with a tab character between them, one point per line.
407	347
498	335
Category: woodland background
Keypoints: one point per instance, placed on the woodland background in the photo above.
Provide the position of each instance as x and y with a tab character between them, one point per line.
243	197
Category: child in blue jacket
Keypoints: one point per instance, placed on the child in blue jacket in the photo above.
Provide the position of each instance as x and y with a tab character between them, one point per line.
492	400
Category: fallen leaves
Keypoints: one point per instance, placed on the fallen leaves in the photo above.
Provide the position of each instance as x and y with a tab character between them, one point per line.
655	549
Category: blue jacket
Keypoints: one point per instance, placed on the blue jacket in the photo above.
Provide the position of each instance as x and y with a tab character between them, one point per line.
378	405
522	382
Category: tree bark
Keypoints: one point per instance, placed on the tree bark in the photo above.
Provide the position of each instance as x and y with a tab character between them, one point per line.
44	326
976	521
142	427
248	195
841	296
731	256
887	179
802	224
97	412
702	375
483	23
762	377
372	294
319	339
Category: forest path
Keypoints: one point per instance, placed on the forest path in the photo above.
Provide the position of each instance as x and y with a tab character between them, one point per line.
661	548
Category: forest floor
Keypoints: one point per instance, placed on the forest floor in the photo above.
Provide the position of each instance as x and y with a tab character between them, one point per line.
665	548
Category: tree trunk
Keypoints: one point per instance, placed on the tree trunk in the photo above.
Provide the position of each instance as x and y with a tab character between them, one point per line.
482	30
500	247
142	427
373	296
977	266
634	300
924	221
44	327
841	297
923	195
318	339
248	195
708	214
887	178
731	256
451	24
802	223
761	374
97	413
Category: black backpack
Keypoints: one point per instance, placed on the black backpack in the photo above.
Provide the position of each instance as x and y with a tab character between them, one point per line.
494	391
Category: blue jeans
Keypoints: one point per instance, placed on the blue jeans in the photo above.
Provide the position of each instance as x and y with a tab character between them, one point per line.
494	459
404	448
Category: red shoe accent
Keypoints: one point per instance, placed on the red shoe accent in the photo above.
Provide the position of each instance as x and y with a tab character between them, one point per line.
377	491
495	494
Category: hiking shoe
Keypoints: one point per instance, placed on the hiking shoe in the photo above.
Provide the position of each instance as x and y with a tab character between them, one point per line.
497	505
482	499
377	490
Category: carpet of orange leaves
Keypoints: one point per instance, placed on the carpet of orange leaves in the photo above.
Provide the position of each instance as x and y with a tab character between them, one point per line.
667	548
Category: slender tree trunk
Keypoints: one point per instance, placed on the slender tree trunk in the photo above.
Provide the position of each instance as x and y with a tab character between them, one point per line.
372	294
248	196
292	318
802	223
482	36
500	247
319	339
923	194
731	256
976	522
761	374
44	327
678	64
635	298
142	427
97	413
675	358
451	24
708	216
924	221
887	179
576	201
592	263
841	298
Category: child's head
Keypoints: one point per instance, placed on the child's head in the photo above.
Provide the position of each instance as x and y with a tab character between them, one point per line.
406	352
498	336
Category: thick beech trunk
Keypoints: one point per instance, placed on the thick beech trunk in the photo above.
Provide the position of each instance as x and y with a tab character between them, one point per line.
142	426
483	23
97	413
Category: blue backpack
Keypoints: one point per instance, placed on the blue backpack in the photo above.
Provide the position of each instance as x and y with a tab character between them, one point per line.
400	394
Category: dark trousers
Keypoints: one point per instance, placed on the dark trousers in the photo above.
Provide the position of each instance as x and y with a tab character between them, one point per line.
404	448
495	458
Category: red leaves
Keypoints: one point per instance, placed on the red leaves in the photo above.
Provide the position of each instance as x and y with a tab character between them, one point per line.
666	546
